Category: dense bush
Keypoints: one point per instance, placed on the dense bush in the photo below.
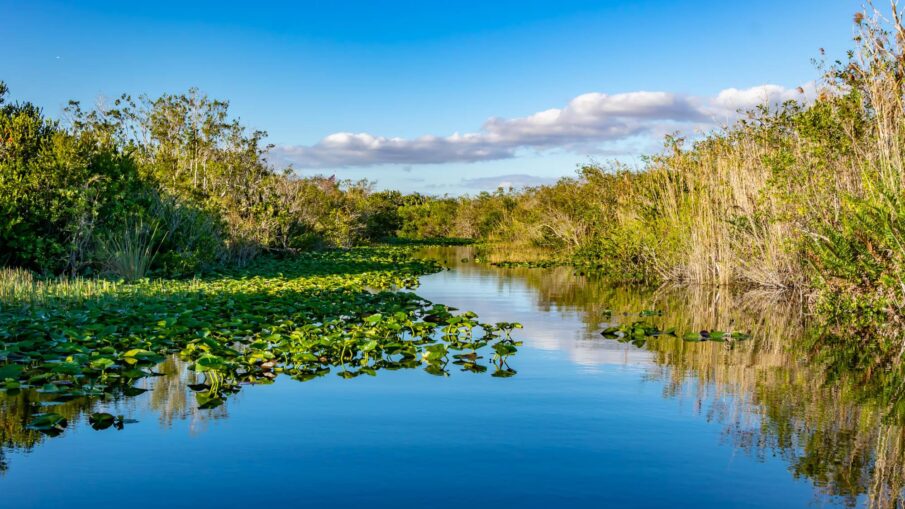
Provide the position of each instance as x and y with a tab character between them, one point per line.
428	217
57	189
196	181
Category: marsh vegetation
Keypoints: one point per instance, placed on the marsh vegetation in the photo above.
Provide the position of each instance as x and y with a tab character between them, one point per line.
150	252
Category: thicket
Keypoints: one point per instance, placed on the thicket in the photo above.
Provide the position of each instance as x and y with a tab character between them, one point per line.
172	185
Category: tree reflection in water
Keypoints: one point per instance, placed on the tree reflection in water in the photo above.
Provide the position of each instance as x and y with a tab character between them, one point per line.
790	392
167	394
793	392
171	398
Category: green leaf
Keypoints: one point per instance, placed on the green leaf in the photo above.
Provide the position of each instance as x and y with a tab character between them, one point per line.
47	422
101	420
10	371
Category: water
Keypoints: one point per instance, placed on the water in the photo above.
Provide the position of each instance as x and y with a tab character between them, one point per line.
586	421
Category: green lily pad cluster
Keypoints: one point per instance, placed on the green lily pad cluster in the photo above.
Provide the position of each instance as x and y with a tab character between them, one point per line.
103	420
715	335
344	312
537	264
638	332
49	423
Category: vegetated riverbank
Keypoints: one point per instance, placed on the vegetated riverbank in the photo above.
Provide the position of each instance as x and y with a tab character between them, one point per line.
807	195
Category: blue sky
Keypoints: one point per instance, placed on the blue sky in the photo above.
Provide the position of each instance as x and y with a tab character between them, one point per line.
393	73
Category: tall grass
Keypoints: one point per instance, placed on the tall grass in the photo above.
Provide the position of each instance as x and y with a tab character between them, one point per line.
129	252
807	195
19	286
714	201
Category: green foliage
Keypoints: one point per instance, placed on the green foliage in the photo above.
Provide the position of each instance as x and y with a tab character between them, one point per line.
56	190
179	163
129	251
305	317
190	240
426	217
381	211
860	263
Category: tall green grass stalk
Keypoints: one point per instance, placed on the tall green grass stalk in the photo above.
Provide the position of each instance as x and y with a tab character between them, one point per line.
129	252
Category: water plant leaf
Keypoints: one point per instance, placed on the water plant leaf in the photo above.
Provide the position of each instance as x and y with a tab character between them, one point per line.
343	311
207	401
101	420
48	422
10	371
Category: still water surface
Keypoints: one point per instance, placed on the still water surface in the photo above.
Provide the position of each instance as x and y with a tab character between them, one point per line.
586	421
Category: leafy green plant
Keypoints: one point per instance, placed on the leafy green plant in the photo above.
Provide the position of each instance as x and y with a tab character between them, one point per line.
129	252
344	312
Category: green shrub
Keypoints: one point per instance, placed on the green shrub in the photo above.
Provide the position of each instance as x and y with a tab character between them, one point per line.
56	190
190	239
129	251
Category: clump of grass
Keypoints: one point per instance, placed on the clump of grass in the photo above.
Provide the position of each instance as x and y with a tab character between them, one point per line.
16	284
129	252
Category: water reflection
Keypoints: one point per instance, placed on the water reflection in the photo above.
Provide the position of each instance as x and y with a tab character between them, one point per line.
170	397
16	411
780	395
772	395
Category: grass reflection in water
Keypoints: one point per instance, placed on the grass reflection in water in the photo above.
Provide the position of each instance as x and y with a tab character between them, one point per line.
831	408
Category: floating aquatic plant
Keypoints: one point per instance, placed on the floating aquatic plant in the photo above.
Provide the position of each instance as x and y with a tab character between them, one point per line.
639	331
343	312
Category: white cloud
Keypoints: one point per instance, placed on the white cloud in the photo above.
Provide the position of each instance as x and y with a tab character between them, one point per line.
515	180
732	99
588	119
